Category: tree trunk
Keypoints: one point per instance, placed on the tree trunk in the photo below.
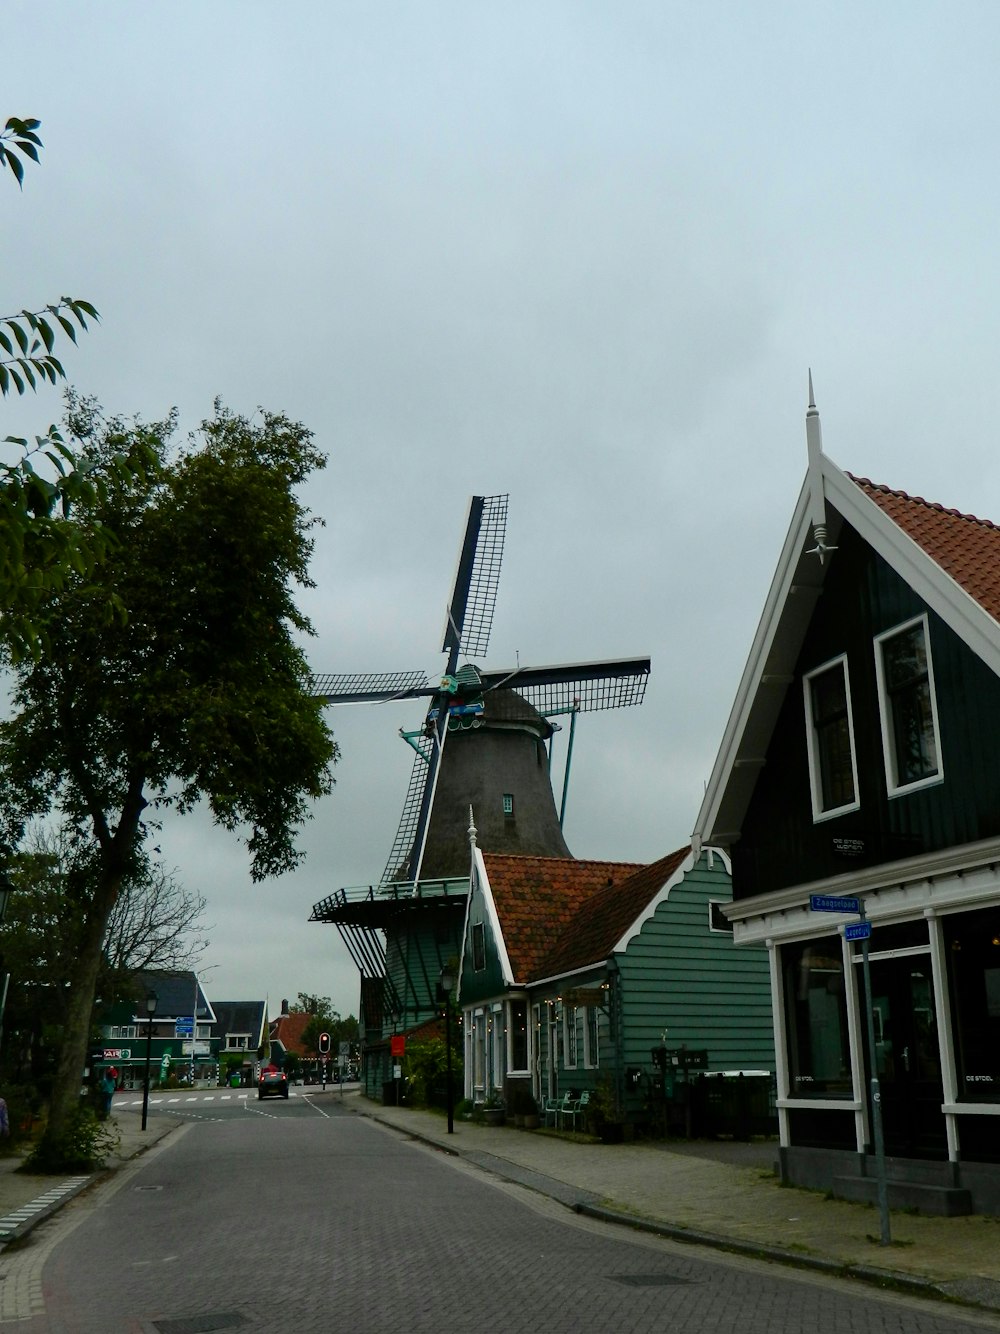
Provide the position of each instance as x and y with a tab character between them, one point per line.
80	995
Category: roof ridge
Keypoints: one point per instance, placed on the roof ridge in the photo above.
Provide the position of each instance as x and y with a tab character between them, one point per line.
919	500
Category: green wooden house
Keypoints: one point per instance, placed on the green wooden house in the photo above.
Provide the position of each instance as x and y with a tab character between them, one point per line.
610	978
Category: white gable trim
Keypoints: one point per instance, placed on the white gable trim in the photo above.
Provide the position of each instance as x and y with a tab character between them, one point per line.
797	581
479	868
661	896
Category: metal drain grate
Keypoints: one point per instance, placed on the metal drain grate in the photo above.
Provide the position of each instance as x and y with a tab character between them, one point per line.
200	1324
649	1280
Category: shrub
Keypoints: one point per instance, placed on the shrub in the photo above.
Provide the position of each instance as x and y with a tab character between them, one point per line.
82	1148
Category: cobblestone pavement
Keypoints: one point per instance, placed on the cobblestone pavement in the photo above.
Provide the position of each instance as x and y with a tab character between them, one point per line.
310	1224
724	1195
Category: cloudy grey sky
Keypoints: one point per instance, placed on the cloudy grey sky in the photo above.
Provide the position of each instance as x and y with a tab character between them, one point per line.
583	253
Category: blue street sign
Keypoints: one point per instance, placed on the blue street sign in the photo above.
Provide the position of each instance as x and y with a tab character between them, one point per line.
828	903
858	931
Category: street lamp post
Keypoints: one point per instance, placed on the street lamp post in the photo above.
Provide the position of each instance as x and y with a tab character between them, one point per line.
446	984
150	1011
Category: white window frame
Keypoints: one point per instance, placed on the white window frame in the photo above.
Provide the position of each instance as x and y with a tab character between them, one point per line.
591	1037
237	1042
815	777
509	1013
719	930
892	787
569	1026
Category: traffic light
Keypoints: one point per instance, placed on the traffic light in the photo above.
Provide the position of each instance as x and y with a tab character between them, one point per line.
324	1044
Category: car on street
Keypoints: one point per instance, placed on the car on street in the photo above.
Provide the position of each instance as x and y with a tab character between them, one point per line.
272	1084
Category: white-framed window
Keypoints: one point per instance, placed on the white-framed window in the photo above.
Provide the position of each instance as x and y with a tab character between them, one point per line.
508	803
237	1041
908	707
124	1031
517	1035
569	1037
496	1047
833	765
478	946
591	1037
717	919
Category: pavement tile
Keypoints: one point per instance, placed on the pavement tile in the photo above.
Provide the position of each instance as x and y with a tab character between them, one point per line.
722	1195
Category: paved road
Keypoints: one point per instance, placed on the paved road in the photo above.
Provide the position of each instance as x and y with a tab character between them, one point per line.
295	1217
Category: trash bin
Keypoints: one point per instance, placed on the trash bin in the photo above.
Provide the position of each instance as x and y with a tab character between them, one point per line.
389	1093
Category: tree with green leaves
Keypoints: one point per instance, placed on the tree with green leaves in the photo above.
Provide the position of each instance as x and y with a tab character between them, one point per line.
198	692
325	1019
40	480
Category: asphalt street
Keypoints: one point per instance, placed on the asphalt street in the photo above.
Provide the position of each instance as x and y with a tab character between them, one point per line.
298	1216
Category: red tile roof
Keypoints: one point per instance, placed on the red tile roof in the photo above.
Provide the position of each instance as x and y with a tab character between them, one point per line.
966	548
604	918
288	1029
557	914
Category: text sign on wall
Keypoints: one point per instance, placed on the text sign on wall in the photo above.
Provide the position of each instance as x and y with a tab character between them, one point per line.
858	931
830	903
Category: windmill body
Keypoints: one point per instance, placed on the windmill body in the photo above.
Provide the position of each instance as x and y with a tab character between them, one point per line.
482	747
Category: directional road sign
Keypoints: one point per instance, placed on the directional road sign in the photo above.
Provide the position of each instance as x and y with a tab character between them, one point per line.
829	903
858	931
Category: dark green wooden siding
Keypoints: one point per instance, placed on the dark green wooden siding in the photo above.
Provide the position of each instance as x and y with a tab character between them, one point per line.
678	975
780	845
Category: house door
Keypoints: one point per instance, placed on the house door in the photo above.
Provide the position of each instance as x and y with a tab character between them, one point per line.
907	1055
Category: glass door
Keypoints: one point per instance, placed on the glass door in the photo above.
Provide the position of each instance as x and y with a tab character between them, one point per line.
906	1055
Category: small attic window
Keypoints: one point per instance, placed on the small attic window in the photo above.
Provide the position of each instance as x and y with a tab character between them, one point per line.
508	803
717	919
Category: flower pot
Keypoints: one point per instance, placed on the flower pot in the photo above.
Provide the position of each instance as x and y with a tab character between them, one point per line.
493	1116
531	1122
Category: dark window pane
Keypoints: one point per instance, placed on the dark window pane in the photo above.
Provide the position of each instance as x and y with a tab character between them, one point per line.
972	943
832	737
816	1013
911	720
478	946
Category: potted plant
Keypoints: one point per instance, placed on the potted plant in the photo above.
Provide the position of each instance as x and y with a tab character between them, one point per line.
493	1109
606	1113
521	1104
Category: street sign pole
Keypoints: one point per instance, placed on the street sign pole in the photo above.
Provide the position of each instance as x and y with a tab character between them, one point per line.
881	1184
862	930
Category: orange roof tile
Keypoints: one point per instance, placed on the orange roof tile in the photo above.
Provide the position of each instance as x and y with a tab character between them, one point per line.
604	918
288	1029
966	548
558	914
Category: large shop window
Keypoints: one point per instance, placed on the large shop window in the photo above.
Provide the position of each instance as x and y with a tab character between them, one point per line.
833	770
972	944
816	1018
908	707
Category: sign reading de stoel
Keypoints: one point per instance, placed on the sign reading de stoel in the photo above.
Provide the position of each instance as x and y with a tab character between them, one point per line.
830	903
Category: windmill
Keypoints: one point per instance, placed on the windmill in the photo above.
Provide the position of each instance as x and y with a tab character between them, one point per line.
498	717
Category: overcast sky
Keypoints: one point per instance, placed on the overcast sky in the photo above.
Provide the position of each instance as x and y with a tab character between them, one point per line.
581	253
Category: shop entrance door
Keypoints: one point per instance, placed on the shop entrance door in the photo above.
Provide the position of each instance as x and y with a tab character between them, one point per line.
907	1055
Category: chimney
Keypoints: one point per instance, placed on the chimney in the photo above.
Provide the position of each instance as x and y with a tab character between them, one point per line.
284	1007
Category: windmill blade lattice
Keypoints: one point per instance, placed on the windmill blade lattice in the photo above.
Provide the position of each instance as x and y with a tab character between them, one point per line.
474	595
368	687
586	686
410	817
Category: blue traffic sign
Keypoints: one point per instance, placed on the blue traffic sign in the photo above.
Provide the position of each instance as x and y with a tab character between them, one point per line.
829	903
858	931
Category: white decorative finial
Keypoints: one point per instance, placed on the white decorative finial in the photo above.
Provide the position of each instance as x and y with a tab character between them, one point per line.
472	831
817	498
